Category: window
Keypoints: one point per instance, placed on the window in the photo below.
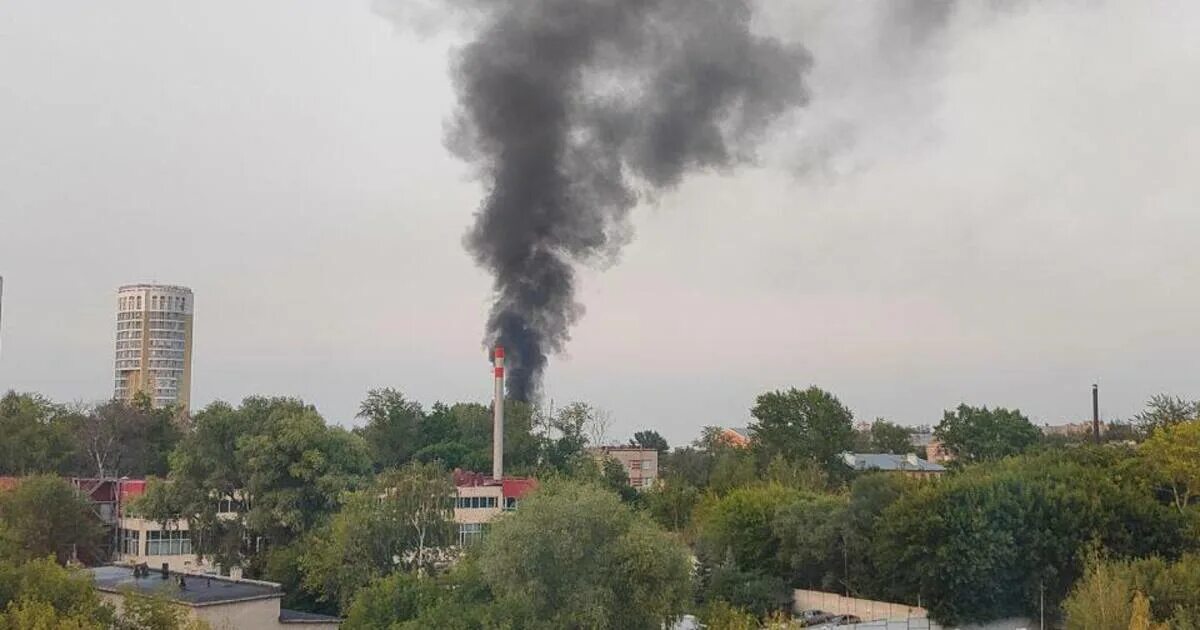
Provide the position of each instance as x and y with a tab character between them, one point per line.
635	464
470	533
168	543
129	542
510	503
476	503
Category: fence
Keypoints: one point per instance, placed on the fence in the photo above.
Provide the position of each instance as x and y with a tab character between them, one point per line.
866	609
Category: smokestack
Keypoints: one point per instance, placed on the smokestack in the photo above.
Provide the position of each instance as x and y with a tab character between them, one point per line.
1096	412
498	417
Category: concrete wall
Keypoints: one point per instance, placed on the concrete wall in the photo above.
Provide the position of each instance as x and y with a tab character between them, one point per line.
247	615
866	609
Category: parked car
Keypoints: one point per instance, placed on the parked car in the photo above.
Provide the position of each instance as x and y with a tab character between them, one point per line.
814	617
845	620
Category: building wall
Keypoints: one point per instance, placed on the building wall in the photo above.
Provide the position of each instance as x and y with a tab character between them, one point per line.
867	609
246	615
184	562
153	352
641	464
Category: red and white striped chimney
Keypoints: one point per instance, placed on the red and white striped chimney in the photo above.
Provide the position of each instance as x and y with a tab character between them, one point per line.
498	416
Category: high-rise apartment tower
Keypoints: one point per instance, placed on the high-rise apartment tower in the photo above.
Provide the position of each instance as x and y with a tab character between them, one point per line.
154	344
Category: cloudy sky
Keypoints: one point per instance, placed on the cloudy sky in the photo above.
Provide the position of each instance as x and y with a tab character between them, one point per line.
996	205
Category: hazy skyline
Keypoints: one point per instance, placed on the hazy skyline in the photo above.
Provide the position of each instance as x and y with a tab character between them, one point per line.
997	210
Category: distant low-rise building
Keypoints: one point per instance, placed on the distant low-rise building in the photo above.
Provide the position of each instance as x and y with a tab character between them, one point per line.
480	499
736	436
1072	429
222	602
933	448
640	464
909	465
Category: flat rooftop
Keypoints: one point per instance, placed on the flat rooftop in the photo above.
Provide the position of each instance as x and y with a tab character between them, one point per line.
197	590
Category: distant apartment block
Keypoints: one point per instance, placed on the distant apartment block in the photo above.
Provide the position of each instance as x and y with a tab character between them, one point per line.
154	344
641	464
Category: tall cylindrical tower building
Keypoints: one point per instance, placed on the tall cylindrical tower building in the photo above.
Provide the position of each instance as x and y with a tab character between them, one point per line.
154	344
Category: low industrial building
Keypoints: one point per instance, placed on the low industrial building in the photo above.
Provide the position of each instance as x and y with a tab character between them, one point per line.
909	465
222	602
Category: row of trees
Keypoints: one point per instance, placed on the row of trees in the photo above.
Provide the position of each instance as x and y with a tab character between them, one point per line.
357	522
113	439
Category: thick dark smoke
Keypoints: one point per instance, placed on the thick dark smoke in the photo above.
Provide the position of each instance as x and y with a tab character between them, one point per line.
573	110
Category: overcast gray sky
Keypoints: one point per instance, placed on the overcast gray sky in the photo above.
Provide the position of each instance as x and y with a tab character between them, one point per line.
1000	209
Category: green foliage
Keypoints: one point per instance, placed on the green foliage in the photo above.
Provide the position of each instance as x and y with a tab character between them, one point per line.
36	436
804	475
573	556
125	439
974	434
296	471
40	594
803	424
46	516
754	591
1120	594
671	504
145	612
395	524
978	545
651	439
1172	456
393	427
720	615
274	456
870	495
739	525
811	541
1164	410
387	602
888	437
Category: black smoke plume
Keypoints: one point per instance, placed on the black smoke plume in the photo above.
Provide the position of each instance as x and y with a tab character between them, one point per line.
572	110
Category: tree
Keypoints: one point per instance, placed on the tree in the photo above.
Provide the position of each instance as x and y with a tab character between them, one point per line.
574	556
887	437
650	439
687	464
1164	410
980	545
41	595
974	434
146	612
45	516
397	523
811	543
800	424
296	471
275	461
739	525
720	615
392	432
389	601
130	439
1172	454
35	436
1148	594
671	503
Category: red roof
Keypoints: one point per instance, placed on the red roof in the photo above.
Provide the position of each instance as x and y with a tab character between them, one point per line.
8	483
